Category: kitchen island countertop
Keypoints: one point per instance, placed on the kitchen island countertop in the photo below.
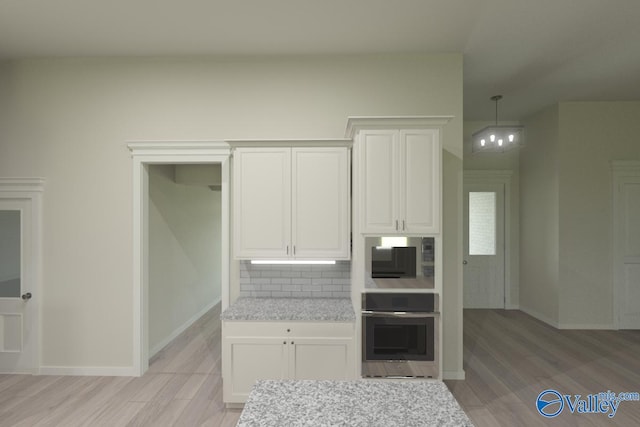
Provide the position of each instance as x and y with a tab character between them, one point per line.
366	403
290	309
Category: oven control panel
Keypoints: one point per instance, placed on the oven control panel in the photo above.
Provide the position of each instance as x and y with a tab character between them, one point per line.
400	302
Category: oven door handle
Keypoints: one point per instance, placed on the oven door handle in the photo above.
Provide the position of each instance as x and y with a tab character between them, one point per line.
403	314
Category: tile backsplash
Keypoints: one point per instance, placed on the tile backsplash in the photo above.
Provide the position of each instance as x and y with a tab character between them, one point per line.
295	281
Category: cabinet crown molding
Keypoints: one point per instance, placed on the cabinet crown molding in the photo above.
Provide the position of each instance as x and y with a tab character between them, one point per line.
356	123
307	142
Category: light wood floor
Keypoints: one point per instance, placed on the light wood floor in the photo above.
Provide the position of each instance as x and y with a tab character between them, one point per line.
182	387
510	357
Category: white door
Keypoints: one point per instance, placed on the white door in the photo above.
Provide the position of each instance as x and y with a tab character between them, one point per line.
420	160
17	310
628	224
320	203
484	246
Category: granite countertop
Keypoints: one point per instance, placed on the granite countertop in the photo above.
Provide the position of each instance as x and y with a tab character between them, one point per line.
366	403
291	309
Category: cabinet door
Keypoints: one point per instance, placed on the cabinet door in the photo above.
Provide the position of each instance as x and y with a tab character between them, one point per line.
321	359
379	178
420	181
249	359
262	202
320	203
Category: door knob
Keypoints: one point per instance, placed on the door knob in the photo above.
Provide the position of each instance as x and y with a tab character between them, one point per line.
464	262
26	296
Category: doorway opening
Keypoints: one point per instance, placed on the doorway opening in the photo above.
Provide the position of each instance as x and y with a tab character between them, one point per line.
184	247
146	156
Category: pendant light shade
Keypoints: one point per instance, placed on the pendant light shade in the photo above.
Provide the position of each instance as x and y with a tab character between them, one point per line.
497	138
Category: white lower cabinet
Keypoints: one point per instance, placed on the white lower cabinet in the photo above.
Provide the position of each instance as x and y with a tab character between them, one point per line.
278	350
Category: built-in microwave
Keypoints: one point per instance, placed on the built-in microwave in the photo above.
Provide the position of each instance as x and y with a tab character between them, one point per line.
393	262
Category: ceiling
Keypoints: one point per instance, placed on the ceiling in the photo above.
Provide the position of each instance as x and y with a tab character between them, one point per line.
535	53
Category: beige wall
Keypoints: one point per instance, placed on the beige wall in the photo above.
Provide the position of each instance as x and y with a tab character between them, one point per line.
539	222
452	265
184	253
591	135
69	121
566	250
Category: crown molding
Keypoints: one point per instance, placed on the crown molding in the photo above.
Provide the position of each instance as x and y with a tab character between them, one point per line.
356	123
19	184
177	148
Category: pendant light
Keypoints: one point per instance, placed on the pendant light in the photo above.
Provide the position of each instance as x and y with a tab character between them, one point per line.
497	138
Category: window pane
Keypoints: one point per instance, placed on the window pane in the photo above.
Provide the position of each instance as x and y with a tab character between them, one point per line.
9	254
482	223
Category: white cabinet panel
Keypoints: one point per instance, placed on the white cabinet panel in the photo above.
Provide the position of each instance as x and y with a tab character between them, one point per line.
400	181
379	184
277	350
320	214
262	202
321	359
421	181
291	203
253	359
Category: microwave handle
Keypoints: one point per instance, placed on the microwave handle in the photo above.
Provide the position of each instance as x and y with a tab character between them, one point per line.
404	314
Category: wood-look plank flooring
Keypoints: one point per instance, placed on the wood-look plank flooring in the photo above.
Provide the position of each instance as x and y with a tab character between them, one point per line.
510	357
183	387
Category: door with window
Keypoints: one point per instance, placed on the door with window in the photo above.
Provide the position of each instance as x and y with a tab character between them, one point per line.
17	336
484	257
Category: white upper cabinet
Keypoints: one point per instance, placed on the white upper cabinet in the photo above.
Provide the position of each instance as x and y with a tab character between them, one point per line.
262	202
380	180
291	203
320	203
420	164
399	174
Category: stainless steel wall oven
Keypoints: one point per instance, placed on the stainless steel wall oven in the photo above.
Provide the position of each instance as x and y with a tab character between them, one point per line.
400	335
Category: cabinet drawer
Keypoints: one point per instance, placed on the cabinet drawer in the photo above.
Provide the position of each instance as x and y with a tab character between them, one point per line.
288	329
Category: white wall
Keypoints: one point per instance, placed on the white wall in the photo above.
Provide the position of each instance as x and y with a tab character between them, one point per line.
68	120
184	254
591	134
566	249
452	266
539	222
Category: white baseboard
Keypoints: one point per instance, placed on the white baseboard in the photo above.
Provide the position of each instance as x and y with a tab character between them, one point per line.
606	326
156	348
453	375
558	325
539	316
93	371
